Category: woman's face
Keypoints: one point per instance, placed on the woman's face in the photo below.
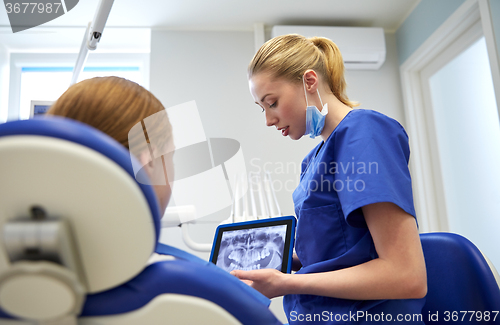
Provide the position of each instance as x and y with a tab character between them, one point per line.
283	102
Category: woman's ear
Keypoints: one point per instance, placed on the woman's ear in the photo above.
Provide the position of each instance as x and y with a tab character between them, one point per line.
311	81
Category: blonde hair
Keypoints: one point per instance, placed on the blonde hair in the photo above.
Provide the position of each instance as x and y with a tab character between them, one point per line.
113	105
289	56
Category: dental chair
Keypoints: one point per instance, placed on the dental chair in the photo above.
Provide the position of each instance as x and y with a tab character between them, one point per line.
460	281
77	231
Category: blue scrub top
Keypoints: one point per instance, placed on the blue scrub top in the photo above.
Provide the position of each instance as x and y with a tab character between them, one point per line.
364	161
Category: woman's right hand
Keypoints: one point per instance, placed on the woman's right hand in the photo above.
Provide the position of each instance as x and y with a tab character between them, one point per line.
270	282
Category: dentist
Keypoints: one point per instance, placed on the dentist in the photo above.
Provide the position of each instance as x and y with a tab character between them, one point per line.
357	238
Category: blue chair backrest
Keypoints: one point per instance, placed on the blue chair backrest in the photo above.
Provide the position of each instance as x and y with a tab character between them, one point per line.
459	279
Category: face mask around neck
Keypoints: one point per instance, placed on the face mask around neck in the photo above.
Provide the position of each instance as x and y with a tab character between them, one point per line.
315	120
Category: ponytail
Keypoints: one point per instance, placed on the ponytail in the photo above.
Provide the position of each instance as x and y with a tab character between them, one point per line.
289	56
334	69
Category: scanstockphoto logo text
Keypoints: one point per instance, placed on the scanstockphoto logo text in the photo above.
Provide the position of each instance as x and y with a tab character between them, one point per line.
348	175
355	317
25	14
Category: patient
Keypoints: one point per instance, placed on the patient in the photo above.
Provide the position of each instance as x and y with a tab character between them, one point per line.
114	105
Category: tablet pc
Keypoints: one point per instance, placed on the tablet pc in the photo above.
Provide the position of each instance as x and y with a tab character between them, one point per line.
252	245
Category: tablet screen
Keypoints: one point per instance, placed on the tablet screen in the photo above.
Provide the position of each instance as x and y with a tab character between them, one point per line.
255	245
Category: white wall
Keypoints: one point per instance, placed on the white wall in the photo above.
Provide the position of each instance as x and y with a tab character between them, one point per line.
4	82
379	90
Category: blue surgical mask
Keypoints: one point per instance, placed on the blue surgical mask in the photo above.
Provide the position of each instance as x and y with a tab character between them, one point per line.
315	120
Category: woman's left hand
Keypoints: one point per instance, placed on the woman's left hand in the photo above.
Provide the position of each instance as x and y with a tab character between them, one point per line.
270	282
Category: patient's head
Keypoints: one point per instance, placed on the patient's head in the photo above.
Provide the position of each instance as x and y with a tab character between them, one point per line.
114	105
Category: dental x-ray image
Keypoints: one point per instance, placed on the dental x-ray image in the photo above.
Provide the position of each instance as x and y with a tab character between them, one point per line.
252	249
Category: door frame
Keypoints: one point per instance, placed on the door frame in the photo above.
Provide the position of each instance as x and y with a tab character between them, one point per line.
425	165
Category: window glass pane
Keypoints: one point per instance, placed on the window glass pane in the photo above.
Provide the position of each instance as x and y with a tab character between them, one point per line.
48	83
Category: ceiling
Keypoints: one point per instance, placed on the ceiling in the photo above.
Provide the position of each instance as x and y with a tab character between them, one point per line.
218	15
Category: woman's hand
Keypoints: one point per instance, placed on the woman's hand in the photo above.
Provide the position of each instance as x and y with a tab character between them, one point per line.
270	282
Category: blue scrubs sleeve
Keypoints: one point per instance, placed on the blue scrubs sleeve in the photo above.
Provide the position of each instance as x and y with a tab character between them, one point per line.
371	166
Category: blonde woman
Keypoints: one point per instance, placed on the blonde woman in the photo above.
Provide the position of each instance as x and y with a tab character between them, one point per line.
357	238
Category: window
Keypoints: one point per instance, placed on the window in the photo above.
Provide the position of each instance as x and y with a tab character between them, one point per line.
45	77
48	83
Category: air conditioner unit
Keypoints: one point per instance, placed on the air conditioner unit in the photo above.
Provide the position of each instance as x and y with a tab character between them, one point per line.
362	48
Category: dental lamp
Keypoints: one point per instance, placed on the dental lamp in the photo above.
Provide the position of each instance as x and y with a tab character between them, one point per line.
92	36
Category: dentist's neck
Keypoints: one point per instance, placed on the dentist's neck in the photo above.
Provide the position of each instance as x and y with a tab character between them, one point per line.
336	113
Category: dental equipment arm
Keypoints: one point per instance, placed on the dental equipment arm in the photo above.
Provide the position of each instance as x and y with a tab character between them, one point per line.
182	216
92	36
191	243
